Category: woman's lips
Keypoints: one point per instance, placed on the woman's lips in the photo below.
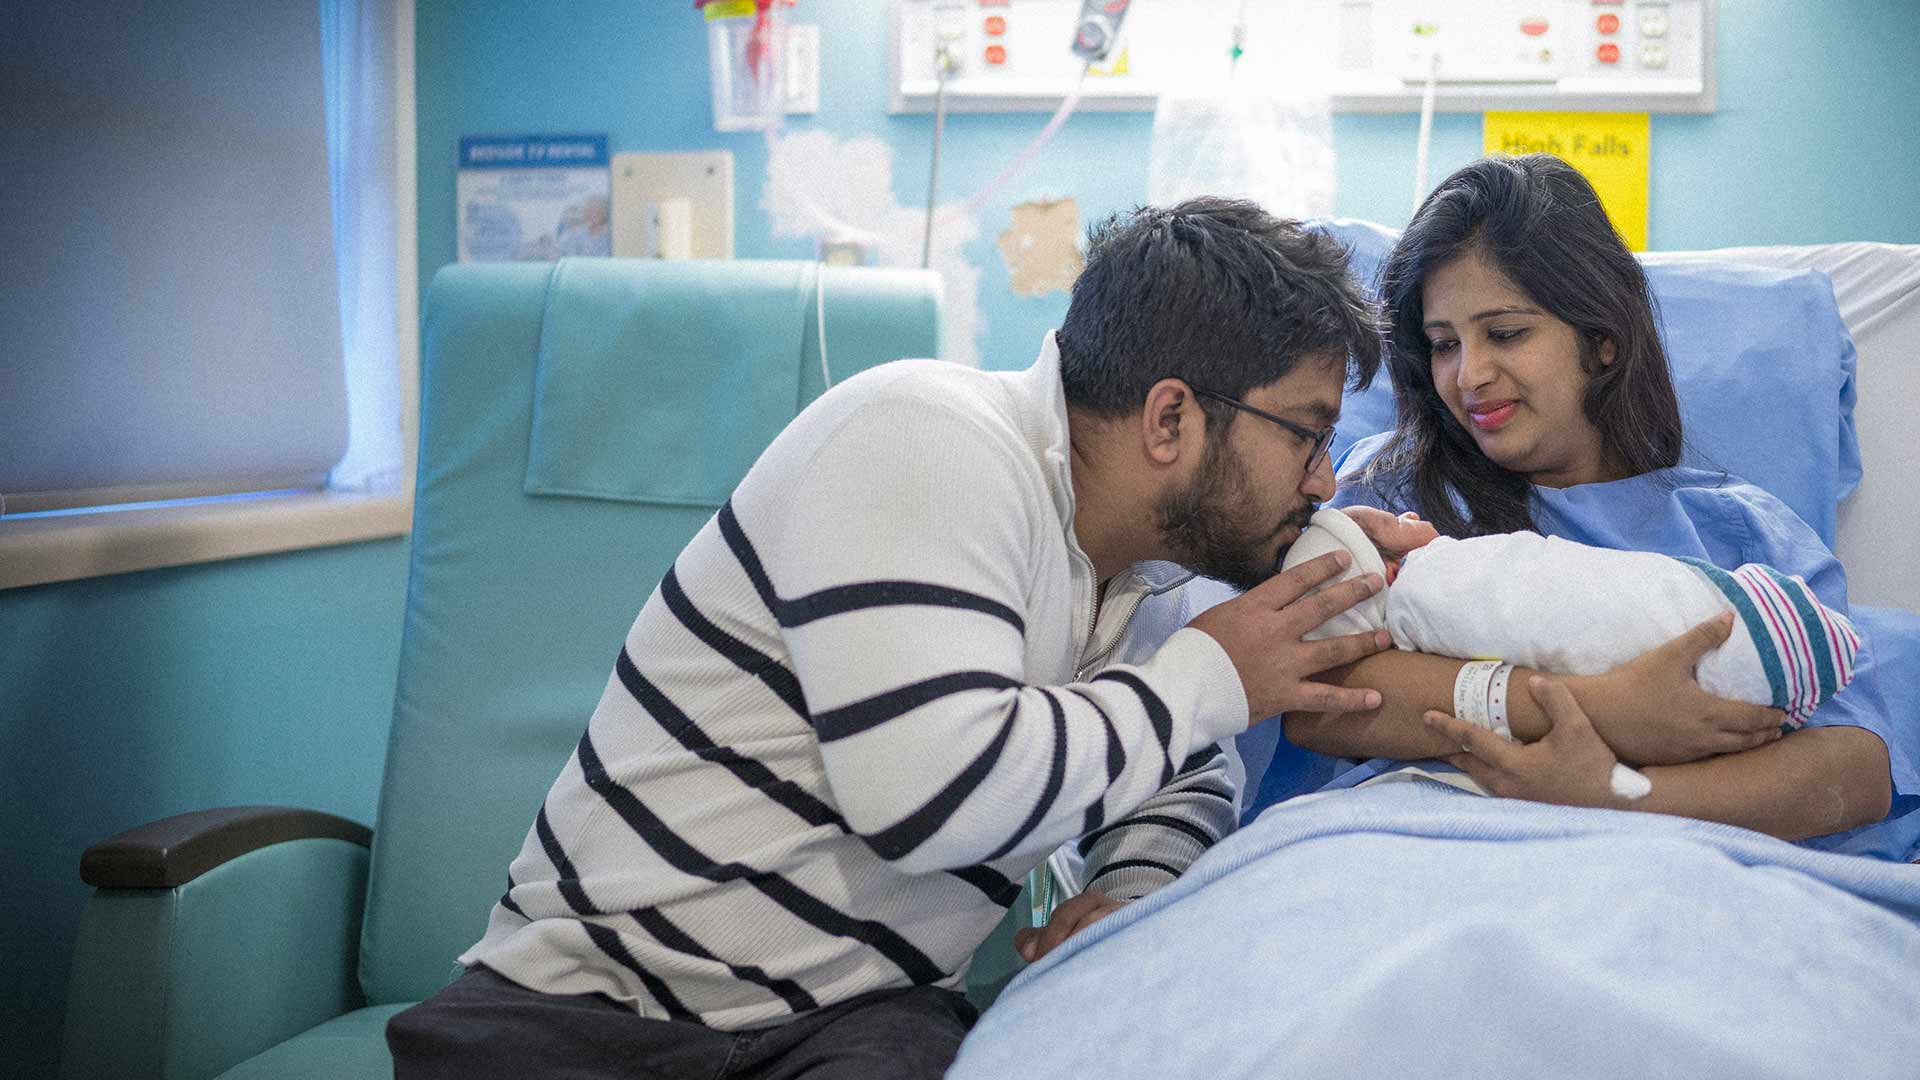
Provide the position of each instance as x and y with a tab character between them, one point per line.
1491	416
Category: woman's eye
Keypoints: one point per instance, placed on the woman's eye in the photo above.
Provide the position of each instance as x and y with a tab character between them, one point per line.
1440	348
1507	334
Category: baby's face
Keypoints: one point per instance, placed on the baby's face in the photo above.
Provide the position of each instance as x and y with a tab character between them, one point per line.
1391	536
1407	534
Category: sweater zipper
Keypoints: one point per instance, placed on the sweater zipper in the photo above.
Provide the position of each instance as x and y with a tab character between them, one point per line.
1107	650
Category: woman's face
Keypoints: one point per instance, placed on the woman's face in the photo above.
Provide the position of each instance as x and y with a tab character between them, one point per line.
1510	374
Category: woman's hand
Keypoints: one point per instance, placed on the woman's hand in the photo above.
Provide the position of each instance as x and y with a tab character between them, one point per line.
1652	711
1570	766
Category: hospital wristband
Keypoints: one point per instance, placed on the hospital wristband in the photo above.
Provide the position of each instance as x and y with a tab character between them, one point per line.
1497	702
1470	692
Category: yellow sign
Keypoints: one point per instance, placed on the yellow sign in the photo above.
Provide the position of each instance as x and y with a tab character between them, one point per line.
716	10
1609	149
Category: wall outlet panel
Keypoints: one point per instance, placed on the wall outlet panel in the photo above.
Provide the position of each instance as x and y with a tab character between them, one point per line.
703	177
1556	55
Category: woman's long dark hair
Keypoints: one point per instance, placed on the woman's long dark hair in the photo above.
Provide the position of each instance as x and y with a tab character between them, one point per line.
1539	222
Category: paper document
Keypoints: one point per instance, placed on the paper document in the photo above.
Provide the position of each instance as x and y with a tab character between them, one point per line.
534	197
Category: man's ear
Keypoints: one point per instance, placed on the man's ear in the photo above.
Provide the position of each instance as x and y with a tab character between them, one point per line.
1171	423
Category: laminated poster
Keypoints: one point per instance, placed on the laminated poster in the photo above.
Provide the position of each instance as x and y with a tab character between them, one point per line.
534	197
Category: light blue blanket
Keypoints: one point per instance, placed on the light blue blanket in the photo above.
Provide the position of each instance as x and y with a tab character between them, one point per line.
1406	929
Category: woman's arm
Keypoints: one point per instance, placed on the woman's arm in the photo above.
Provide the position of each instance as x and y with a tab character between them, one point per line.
1812	782
1649	710
1410	684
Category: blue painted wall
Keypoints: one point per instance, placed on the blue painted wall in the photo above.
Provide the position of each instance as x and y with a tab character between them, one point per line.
128	698
1817	104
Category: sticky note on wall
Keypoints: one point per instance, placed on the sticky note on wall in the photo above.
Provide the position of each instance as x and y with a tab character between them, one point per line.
1609	149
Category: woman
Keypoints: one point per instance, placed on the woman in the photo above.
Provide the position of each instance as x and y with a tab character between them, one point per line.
1532	392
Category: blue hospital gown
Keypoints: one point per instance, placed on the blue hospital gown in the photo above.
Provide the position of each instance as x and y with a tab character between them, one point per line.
1726	521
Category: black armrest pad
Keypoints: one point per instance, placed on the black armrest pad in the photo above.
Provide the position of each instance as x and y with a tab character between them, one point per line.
173	851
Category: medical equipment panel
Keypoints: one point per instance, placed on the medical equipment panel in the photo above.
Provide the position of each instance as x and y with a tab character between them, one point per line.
1601	55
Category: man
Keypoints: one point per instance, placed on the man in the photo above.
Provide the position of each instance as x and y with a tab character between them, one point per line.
874	690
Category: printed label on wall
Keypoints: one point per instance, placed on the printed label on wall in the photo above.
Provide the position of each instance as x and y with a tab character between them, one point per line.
1609	149
533	197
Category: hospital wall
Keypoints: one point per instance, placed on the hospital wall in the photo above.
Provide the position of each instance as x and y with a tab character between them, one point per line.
269	679
1813	139
128	698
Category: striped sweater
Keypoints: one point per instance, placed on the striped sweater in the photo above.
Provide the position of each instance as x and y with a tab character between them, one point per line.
864	702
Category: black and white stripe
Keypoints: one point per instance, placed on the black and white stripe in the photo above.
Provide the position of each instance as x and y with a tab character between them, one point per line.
738	653
756	775
857	596
688	859
822	764
1157	714
1145	850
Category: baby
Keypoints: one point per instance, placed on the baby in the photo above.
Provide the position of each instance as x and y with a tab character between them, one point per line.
1571	609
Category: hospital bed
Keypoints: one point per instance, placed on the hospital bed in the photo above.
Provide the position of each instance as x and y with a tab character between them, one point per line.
1405	929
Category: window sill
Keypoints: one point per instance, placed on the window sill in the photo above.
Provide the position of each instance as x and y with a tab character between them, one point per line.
42	550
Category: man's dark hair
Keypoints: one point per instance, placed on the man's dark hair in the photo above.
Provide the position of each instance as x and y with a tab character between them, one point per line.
1217	292
1539	222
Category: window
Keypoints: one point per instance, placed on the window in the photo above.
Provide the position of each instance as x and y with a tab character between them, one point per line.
210	227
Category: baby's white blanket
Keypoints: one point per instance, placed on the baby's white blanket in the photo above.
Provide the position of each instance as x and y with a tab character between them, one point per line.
1554	605
1573	609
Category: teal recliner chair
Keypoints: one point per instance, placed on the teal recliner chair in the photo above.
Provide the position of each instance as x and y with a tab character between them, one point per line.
270	942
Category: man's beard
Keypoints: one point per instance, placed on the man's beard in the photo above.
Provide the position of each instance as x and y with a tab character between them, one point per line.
1212	526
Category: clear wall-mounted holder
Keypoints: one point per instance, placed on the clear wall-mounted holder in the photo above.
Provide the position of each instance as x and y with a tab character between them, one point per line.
746	60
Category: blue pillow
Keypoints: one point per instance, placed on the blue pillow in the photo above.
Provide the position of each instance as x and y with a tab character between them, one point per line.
1762	363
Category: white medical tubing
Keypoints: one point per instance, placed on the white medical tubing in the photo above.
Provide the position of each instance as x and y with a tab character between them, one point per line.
841	230
820	323
1046	134
1019	161
943	63
1426	132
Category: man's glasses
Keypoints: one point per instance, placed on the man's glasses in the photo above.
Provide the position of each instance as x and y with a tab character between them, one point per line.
1318	438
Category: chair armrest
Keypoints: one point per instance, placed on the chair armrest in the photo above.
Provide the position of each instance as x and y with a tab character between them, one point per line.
211	937
175	850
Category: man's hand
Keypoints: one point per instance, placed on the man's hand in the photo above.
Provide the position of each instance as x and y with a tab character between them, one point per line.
1571	766
1068	919
1261	631
1652	711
